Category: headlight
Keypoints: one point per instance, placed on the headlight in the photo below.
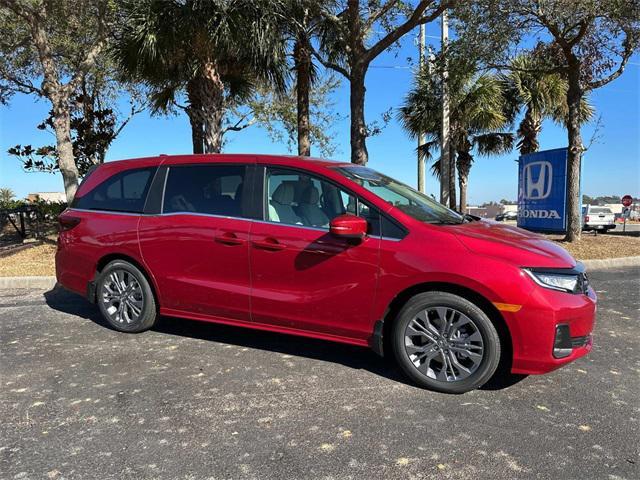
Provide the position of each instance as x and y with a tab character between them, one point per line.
555	281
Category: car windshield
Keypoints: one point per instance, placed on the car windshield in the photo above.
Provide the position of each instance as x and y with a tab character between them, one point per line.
413	203
601	210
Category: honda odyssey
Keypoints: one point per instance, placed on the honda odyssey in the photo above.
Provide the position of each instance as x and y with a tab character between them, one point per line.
327	250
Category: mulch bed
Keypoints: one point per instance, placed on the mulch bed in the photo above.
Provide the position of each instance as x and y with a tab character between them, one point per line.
36	260
591	246
12	248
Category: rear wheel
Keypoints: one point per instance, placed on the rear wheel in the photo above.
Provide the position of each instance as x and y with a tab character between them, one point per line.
125	298
446	343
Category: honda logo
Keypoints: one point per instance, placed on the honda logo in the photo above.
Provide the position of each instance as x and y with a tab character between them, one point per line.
537	180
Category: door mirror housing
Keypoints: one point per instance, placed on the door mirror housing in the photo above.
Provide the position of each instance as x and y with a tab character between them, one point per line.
349	226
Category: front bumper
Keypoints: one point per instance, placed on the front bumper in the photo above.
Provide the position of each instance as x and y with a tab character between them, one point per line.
552	329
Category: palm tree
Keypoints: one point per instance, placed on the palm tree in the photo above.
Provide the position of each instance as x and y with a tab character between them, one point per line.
479	116
6	195
542	95
217	52
304	23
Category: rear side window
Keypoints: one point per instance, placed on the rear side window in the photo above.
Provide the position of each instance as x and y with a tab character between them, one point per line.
209	189
123	192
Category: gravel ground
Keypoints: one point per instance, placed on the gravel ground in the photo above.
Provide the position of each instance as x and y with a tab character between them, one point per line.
191	400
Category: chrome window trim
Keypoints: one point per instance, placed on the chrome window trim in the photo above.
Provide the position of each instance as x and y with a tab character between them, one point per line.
161	214
199	214
306	227
111	212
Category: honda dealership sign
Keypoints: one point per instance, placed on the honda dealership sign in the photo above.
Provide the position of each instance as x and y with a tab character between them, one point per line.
542	191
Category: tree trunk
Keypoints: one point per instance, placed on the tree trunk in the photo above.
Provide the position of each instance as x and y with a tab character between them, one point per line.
64	147
463	181
529	129
574	97
196	117
197	130
212	96
358	69
302	58
464	167
359	153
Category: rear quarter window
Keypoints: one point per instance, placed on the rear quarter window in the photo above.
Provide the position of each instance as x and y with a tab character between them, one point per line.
123	192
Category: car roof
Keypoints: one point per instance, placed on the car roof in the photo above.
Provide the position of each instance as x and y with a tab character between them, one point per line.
107	169
224	158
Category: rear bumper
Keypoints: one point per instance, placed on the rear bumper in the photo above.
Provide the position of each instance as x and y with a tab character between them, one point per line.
534	330
69	271
607	226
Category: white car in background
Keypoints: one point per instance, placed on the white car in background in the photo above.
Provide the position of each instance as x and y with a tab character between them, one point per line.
597	218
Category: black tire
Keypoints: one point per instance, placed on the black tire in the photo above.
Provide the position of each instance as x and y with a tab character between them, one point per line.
490	338
149	310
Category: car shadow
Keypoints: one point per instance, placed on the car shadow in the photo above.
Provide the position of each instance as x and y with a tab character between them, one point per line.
350	356
347	355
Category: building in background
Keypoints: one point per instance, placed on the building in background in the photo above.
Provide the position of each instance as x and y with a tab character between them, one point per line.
491	210
49	197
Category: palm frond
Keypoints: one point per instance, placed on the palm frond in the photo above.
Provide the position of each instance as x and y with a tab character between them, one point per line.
495	143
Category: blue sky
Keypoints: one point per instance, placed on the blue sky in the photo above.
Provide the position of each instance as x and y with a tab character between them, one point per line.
611	166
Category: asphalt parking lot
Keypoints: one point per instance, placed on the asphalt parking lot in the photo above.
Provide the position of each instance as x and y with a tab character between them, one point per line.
191	400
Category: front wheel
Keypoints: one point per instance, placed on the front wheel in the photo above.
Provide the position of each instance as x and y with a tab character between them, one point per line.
125	298
446	343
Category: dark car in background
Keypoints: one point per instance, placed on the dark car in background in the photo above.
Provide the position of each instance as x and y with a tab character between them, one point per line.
507	216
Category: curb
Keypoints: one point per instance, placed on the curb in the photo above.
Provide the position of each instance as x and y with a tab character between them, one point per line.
6	251
605	263
27	282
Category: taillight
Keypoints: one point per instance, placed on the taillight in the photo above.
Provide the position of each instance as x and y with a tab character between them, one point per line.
586	219
67	222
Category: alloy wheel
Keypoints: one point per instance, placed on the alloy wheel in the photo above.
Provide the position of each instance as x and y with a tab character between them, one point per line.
122	297
444	344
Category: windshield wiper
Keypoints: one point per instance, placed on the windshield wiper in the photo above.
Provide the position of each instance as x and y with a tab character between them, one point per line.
470	218
443	222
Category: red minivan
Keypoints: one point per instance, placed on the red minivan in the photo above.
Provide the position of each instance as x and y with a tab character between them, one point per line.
328	250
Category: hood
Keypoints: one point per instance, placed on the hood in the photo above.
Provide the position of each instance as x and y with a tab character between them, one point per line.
512	244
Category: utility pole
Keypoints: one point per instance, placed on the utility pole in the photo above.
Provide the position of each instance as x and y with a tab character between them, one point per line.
422	138
444	141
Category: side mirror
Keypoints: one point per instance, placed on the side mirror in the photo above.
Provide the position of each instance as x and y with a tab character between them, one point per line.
348	226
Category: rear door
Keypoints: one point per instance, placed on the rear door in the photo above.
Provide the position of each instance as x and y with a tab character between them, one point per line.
197	246
302	276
